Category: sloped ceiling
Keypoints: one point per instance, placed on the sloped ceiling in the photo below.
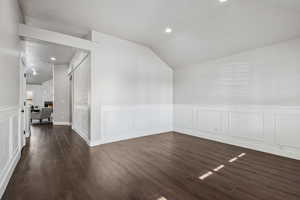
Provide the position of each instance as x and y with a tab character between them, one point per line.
202	29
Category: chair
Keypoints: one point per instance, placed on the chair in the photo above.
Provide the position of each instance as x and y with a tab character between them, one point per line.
45	113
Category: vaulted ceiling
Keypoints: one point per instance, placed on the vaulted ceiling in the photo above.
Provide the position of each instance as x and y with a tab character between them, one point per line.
202	29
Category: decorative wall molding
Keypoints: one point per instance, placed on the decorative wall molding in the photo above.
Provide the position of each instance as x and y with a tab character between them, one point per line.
272	129
10	143
246	124
81	122
287	123
121	122
9	109
61	123
8	171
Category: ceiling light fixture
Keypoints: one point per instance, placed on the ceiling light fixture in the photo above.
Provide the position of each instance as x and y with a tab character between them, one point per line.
53	58
168	30
223	1
33	72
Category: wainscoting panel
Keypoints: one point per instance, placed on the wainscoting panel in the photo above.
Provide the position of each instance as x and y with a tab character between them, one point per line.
184	116
10	144
287	129
4	138
131	121
272	129
14	123
81	121
116	121
210	121
246	125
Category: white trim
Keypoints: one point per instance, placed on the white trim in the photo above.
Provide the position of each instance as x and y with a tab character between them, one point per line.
241	108
62	123
95	109
95	143
122	122
254	146
83	136
7	113
54	37
100	142
250	126
9	108
8	171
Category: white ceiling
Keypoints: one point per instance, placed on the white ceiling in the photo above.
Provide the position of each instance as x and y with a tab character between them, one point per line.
202	29
36	56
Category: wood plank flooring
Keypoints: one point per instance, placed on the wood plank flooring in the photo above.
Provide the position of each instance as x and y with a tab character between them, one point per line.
58	165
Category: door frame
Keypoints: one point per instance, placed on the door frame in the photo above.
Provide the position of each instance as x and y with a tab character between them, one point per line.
26	31
22	103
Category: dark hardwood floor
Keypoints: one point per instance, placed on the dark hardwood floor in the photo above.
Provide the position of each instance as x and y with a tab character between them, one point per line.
57	164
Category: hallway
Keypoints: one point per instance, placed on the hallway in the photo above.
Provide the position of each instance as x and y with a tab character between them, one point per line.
57	165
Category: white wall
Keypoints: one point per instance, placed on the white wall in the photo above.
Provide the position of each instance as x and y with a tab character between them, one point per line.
37	94
41	93
265	76
9	53
133	89
251	99
48	90
81	98
61	104
10	145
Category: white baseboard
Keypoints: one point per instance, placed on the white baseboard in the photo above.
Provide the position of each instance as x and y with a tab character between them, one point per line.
257	146
8	171
271	129
95	143
62	123
82	135
122	122
100	142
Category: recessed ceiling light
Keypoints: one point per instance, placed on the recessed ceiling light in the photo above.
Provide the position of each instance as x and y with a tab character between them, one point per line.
168	30
223	1
53	58
33	72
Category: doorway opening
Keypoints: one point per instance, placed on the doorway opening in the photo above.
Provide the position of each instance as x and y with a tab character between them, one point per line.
47	90
56	86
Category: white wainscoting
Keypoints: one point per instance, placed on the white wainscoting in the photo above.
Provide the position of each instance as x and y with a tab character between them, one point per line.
10	144
81	122
61	123
273	129
131	121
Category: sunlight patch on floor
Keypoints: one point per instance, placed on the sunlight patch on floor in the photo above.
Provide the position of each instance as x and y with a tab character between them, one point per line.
209	173
204	176
219	168
233	159
162	198
241	155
